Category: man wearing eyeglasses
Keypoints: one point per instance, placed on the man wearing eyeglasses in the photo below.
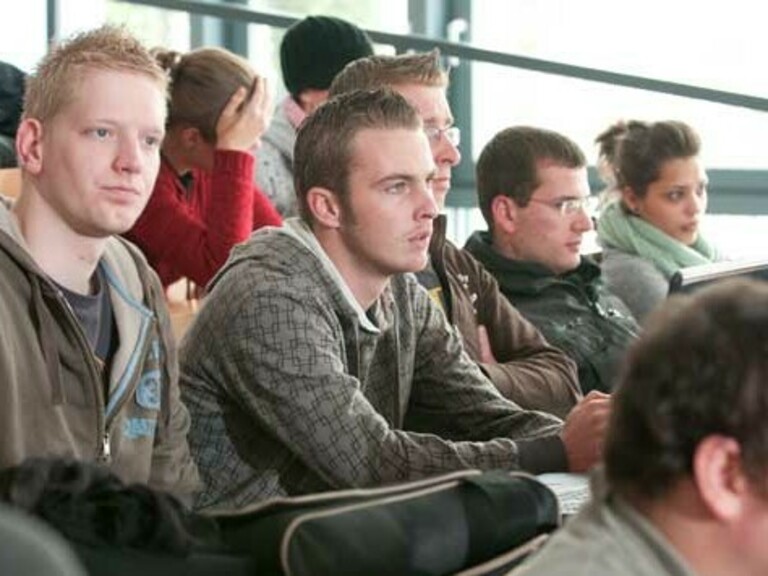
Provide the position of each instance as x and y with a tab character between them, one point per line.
510	351
534	195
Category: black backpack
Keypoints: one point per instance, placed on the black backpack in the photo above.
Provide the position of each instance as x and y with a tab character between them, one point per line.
468	523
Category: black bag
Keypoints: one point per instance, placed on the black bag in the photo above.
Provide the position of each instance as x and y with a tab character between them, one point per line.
479	523
437	526
117	529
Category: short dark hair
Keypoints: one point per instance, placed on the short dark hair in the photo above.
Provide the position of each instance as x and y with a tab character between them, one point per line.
323	151
509	164
636	151
699	369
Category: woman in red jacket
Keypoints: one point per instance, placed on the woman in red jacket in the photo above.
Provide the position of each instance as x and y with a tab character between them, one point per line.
204	201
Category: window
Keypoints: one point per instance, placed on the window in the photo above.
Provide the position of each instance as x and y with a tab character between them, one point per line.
24	35
153	26
657	39
264	41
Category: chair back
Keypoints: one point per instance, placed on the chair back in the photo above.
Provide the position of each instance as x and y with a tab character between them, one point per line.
10	182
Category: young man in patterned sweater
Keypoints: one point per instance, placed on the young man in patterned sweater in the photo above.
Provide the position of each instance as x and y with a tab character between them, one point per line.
317	364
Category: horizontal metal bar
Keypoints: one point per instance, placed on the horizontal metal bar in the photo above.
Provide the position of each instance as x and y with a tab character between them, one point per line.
403	42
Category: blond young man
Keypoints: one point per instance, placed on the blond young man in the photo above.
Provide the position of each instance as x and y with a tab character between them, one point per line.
87	362
317	364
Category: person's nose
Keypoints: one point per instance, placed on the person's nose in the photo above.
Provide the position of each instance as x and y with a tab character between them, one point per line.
445	152
697	204
426	207
582	221
129	155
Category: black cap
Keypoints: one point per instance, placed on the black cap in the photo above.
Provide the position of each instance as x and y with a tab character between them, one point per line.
315	49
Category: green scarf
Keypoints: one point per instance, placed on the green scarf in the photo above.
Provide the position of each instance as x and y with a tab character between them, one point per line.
628	233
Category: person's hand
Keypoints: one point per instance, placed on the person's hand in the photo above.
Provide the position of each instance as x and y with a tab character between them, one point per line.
486	353
245	117
584	432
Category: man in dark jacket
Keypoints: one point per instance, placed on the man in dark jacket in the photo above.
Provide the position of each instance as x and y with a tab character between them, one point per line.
533	192
508	348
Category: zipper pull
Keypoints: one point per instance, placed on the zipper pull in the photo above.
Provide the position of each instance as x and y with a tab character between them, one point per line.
106	449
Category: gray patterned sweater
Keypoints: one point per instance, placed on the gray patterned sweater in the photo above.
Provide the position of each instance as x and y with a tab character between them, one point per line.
293	388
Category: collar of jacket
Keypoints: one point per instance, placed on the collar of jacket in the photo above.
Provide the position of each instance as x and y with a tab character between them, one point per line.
128	284
436	243
266	242
526	277
437	260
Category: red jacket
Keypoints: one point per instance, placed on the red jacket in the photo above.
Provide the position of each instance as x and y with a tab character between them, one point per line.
188	232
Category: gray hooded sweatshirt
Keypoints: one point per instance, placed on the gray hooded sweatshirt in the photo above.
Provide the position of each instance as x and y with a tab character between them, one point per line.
274	174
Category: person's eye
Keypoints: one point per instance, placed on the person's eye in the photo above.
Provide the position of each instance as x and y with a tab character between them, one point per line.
572	206
564	206
675	195
152	141
101	133
433	133
398	187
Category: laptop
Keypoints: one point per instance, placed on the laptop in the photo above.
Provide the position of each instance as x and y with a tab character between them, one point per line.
572	490
695	277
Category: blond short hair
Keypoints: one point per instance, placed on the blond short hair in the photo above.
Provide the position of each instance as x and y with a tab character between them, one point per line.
54	82
423	68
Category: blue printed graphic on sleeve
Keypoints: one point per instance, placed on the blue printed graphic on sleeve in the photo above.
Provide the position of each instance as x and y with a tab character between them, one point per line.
148	391
135	428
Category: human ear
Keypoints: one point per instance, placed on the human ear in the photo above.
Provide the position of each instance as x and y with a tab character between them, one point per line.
29	145
324	206
720	478
504	213
630	200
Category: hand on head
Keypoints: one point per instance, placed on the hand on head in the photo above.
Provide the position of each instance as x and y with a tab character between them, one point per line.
584	431
245	117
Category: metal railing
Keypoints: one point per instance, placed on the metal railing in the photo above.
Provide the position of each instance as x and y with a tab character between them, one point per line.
415	42
743	191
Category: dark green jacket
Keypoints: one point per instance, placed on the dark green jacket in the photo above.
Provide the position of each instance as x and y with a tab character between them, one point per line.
574	311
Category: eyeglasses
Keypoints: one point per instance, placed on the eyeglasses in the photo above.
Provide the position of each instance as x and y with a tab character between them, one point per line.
570	206
452	134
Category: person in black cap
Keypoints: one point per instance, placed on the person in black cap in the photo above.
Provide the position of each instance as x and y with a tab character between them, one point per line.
11	100
312	52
